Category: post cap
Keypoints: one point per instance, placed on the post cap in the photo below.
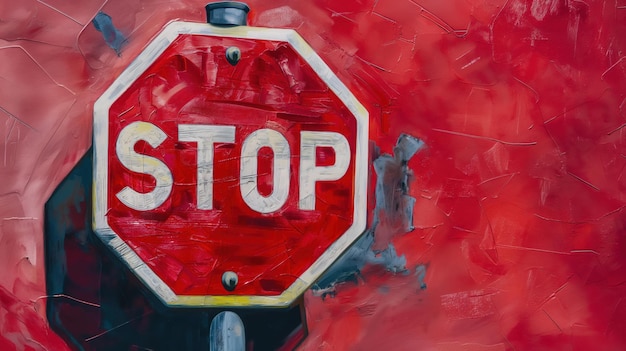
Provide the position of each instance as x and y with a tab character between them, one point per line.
227	13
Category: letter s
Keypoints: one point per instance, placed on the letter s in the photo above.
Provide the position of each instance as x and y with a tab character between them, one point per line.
125	150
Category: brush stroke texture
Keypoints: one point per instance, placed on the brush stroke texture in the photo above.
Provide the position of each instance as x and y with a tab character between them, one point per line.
519	198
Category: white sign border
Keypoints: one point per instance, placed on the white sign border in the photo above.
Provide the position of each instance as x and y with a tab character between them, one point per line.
100	178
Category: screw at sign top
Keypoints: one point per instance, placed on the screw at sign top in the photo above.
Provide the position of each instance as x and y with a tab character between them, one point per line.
227	13
233	55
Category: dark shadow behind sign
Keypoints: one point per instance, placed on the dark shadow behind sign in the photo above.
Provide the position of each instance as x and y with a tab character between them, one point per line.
96	303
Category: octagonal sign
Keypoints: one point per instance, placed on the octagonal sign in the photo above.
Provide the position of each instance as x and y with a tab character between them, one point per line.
230	166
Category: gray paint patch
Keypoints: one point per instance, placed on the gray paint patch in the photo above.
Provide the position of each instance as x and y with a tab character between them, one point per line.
393	215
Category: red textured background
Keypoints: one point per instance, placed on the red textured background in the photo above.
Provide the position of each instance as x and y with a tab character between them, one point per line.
520	191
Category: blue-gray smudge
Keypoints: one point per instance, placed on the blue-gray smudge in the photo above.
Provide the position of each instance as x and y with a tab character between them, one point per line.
420	272
112	36
392	197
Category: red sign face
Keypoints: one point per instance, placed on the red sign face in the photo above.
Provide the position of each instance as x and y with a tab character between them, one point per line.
234	173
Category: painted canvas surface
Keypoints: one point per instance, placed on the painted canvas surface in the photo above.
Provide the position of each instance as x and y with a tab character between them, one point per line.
492	181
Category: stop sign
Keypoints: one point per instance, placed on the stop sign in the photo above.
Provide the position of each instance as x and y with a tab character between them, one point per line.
230	166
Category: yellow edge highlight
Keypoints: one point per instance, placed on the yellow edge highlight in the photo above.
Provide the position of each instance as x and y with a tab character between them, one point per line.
283	300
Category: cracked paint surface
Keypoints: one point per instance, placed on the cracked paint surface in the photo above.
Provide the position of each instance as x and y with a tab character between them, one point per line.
519	195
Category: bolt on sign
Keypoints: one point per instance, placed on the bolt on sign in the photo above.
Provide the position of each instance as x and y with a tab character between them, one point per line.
230	166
